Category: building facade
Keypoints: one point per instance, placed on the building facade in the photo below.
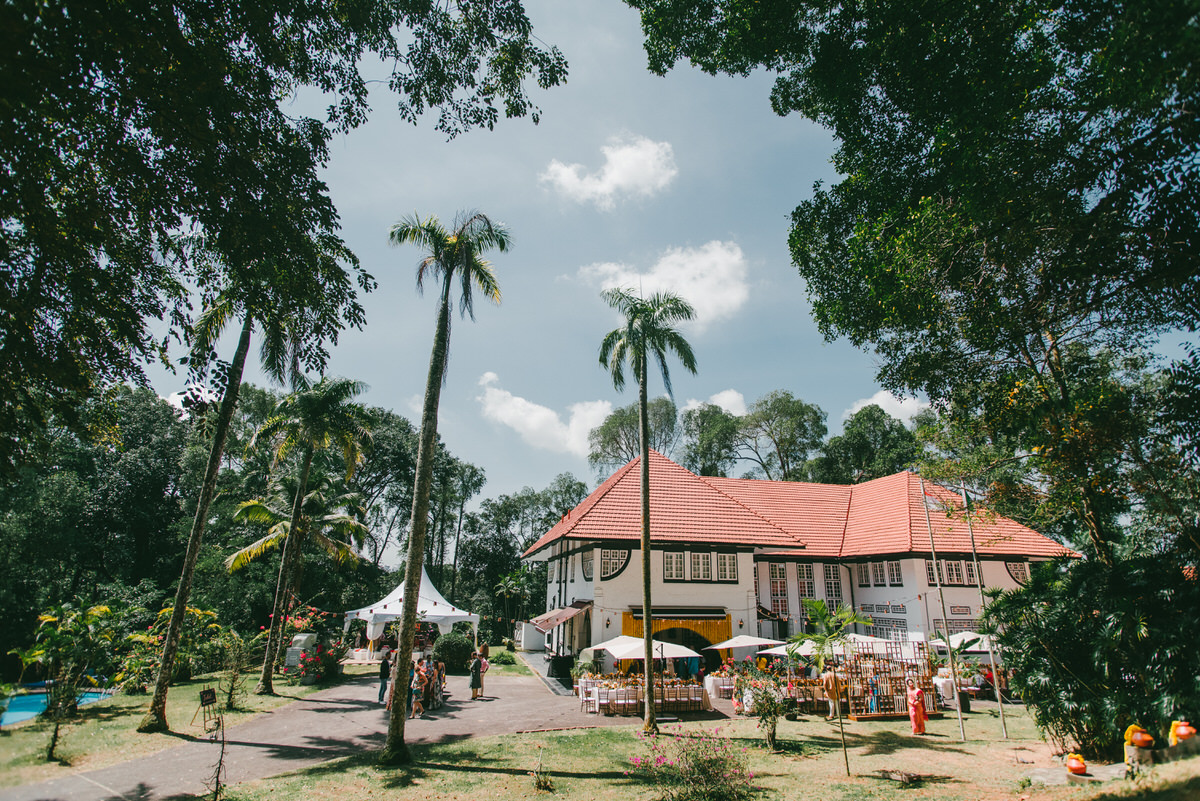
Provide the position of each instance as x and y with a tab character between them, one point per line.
738	556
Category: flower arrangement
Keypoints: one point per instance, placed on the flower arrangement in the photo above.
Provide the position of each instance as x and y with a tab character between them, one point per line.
1135	735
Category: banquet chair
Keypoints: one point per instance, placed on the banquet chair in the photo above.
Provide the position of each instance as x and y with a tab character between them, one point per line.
588	702
627	698
696	697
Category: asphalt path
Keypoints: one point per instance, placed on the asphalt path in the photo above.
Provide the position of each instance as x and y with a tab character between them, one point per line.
337	722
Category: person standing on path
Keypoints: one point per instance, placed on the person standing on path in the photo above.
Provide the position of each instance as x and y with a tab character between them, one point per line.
483	665
916	707
385	675
476	675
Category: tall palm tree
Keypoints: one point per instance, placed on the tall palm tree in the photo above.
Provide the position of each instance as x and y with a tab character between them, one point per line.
455	253
316	417
831	627
649	330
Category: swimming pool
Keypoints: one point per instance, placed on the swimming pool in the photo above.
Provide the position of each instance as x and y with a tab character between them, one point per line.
30	705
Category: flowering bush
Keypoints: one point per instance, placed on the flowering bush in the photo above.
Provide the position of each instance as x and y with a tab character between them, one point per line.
766	699
694	766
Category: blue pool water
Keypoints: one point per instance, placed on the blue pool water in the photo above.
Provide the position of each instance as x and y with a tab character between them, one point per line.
24	707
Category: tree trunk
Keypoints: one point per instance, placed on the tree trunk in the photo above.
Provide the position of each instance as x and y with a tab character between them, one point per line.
650	725
156	717
291	554
396	751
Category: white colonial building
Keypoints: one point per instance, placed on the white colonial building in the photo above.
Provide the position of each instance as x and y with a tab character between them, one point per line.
737	556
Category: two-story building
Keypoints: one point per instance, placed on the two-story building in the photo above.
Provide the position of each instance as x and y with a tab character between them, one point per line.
736	556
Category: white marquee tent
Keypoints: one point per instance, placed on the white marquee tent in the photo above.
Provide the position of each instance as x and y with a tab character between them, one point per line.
431	608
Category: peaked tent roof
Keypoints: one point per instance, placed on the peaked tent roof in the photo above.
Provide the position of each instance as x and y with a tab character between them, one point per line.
431	607
683	508
882	516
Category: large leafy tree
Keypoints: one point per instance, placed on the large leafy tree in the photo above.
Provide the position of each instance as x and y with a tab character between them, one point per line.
777	434
710	436
453	255
316	417
648	332
1018	191
618	440
126	122
872	444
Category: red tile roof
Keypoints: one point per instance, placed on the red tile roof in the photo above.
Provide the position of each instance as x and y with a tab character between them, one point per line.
683	508
883	516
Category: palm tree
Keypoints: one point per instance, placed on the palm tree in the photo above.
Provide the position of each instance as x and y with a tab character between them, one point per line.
831	628
329	518
451	254
648	331
314	418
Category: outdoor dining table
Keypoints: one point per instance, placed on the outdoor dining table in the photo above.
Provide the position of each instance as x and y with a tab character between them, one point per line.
627	700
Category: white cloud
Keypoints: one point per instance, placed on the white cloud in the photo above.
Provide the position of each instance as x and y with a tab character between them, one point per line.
633	165
711	277
730	400
904	409
538	425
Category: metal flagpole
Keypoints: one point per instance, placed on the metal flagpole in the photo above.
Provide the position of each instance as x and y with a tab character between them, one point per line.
982	601
937	577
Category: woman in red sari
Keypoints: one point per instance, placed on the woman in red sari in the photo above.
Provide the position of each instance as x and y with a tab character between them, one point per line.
916	707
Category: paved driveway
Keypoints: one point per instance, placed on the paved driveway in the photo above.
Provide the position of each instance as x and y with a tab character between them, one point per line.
332	723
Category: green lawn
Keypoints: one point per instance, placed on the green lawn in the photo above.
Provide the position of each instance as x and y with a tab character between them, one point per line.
105	731
592	765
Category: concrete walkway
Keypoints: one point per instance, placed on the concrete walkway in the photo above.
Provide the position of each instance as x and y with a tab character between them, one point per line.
337	722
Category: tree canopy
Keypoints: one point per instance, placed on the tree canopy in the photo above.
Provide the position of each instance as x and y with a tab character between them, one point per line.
617	440
126	124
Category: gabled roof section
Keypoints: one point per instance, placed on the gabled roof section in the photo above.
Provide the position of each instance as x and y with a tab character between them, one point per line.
887	515
683	508
815	514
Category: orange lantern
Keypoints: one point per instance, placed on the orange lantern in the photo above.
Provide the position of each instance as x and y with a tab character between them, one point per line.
1181	730
1075	764
1136	736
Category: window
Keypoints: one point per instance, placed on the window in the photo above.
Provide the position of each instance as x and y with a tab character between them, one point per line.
550	571
877	574
1019	571
612	563
889	628
895	577
807	586
954	572
571	564
929	573
833	584
969	572
727	567
701	567
672	566
864	578
779	594
955	626
587	564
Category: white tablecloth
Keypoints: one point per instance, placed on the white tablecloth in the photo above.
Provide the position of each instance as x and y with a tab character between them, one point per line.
945	689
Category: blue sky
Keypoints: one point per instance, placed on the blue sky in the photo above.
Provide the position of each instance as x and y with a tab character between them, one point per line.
683	183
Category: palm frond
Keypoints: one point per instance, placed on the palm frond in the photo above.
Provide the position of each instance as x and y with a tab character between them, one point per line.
257	549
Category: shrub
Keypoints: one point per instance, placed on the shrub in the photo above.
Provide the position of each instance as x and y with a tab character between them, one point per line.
455	650
694	766
502	658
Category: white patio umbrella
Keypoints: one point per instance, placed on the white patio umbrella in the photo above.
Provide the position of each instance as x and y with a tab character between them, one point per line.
742	641
637	649
984	641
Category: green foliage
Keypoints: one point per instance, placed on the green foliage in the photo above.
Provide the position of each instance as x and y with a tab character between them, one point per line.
710	436
686	765
455	650
617	440
504	657
873	444
1095	649
115	140
778	433
768	697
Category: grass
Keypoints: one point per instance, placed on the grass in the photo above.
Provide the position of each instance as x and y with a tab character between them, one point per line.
105	732
591	765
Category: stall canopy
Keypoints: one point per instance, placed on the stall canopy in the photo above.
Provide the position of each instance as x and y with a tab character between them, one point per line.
431	608
555	618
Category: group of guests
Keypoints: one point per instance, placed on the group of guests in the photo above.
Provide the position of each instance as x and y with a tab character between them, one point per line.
426	685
